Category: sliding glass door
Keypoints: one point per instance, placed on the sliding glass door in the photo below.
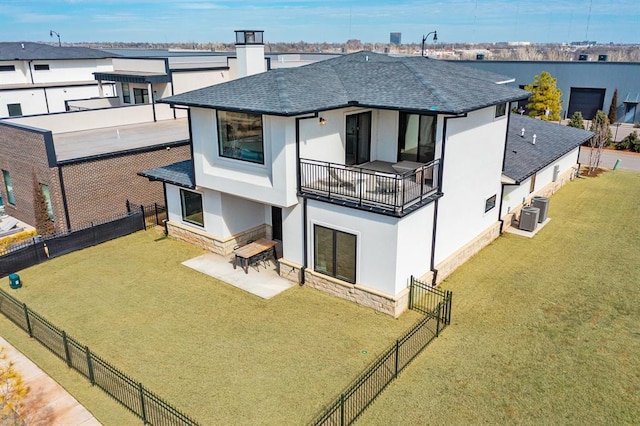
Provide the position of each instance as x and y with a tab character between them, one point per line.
417	137
358	141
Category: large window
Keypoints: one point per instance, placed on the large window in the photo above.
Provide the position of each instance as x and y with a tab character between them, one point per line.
335	253
47	199
126	94
240	136
14	110
192	207
8	185
417	138
140	96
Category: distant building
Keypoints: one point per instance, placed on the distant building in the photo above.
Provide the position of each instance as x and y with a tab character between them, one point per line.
395	38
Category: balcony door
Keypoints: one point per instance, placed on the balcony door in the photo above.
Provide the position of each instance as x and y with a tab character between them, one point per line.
417	135
358	141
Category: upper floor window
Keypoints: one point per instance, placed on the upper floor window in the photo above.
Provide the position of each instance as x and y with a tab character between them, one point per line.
14	110
41	67
126	94
240	136
501	109
490	203
8	185
417	138
7	67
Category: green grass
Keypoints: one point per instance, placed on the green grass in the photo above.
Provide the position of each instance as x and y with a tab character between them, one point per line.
219	354
544	330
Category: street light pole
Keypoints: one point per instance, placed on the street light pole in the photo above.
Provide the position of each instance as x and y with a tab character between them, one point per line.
424	39
51	33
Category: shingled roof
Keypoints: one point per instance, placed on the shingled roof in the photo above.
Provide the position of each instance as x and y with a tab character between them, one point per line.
553	140
180	174
366	79
27	51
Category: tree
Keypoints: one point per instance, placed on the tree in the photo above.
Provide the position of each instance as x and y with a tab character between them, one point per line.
44	224
599	126
613	109
545	102
576	121
13	391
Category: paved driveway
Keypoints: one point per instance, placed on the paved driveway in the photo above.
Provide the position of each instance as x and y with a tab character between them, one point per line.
628	160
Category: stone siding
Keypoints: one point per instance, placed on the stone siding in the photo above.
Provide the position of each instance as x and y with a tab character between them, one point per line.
221	246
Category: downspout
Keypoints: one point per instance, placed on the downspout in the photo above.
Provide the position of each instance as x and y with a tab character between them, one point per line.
65	205
579	164
304	199
436	202
166	208
30	71
504	159
153	100
46	100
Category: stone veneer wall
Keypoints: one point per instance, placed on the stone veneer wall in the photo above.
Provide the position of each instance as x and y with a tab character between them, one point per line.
546	191
222	246
451	263
359	294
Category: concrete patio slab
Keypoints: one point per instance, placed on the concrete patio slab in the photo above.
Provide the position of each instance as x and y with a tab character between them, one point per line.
261	280
516	231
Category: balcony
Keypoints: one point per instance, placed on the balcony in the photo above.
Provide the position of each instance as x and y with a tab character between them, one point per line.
394	189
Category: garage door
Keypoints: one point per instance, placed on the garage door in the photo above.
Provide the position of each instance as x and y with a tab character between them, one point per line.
586	100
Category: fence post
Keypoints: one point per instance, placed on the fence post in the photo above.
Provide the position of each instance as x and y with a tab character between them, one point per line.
93	233
66	348
155	205
144	410
449	301
92	378
438	319
144	220
411	293
26	316
397	356
341	409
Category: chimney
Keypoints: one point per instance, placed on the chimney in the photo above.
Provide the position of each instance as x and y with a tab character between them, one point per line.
250	52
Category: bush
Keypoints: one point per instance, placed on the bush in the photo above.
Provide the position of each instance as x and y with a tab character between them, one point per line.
631	142
9	242
636	124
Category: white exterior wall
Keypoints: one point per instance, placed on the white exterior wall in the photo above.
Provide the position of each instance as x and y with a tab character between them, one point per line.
224	214
186	81
389	250
516	195
69	70
19	76
141	65
272	183
250	59
472	172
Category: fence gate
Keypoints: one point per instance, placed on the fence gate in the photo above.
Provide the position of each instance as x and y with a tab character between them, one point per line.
426	299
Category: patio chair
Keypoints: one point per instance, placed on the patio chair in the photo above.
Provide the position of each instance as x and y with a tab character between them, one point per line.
8	224
335	176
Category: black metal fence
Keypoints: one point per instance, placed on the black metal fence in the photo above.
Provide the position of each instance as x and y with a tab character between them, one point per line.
40	249
436	305
131	394
154	214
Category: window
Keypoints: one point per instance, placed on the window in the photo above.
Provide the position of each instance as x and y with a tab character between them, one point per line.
240	136
14	110
417	138
11	198
501	109
140	96
192	207
126	95
490	203
335	253
41	67
7	67
47	199
532	187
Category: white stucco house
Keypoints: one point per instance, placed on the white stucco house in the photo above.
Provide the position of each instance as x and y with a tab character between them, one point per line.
368	168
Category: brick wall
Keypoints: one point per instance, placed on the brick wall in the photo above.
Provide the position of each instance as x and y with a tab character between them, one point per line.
98	189
23	155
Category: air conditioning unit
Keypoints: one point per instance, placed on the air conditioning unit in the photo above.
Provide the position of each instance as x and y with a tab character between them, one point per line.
541	203
529	218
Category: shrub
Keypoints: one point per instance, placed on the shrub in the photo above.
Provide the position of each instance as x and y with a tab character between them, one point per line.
7	243
631	142
636	124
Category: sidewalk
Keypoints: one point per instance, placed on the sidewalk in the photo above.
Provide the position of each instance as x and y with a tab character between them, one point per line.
49	403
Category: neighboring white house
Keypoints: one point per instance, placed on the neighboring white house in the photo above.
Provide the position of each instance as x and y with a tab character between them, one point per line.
541	157
368	168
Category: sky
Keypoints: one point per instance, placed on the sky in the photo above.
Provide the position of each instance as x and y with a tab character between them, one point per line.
370	21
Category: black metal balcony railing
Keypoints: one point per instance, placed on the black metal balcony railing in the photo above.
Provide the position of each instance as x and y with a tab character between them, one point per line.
389	193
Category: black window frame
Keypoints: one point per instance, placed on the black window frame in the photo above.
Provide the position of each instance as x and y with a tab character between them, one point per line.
490	203
7	68
41	67
333	269
140	94
183	207
236	148
126	93
501	109
14	106
402	130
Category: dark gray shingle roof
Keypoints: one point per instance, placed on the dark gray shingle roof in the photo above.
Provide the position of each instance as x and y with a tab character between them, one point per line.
180	174
364	78
553	140
14	50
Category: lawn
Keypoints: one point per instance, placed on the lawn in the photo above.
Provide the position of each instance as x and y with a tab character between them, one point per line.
544	330
221	355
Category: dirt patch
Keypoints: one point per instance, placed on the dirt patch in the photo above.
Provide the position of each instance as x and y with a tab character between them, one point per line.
594	173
